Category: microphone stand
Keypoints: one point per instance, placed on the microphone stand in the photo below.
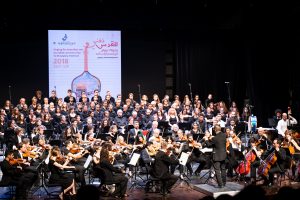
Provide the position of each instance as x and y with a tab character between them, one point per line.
9	92
191	94
228	90
139	87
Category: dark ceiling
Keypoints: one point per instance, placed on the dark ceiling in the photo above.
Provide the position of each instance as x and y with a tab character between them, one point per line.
150	15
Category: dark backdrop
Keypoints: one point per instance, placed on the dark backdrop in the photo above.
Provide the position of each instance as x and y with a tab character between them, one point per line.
253	45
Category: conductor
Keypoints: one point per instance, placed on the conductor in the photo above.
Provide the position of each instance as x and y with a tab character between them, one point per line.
219	155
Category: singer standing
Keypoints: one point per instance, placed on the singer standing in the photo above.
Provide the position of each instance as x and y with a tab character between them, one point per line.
219	156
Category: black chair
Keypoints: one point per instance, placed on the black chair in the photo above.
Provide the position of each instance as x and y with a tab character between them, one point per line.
52	190
155	185
10	189
286	175
105	186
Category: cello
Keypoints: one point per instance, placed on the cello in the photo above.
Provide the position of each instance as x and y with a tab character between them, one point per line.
266	164
244	167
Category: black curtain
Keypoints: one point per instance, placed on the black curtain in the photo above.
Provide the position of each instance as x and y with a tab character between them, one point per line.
208	64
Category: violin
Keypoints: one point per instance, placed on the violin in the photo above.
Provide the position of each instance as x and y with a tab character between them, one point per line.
60	159
75	149
111	157
16	161
158	139
287	144
227	144
195	144
236	139
45	146
29	154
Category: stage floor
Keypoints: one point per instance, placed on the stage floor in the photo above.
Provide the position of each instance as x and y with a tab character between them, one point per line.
194	187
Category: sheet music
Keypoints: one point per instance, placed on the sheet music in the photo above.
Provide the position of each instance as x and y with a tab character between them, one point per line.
88	161
47	159
205	150
183	158
135	157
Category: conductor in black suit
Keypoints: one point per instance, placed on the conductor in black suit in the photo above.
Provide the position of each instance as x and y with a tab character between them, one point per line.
219	156
161	168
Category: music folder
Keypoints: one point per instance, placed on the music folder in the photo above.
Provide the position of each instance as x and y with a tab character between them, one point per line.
184	158
134	159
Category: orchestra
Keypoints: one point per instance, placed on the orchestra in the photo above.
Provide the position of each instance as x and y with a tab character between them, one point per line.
111	139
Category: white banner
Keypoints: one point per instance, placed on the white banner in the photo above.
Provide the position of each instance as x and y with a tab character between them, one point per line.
84	61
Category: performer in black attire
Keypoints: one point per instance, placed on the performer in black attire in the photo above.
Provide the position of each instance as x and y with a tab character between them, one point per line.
57	164
279	165
219	155
13	174
113	174
161	167
196	155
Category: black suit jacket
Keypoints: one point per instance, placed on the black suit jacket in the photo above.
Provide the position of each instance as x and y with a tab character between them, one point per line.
11	173
161	165
219	145
108	169
132	134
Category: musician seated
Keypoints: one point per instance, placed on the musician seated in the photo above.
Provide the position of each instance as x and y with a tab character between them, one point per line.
147	156
193	147
13	174
262	139
161	168
156	139
235	141
113	174
181	136
57	165
278	166
76	154
254	157
28	157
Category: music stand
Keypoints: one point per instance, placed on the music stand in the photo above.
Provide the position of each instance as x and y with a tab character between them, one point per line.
198	137
134	162
128	127
42	170
184	126
163	125
55	143
182	161
48	133
210	171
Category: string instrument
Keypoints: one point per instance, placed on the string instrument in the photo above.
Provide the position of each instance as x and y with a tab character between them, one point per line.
16	161
227	144
152	152
75	150
111	157
288	145
169	151
46	146
236	139
29	154
61	159
244	167
158	139
195	144
183	138
30	148
266	164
